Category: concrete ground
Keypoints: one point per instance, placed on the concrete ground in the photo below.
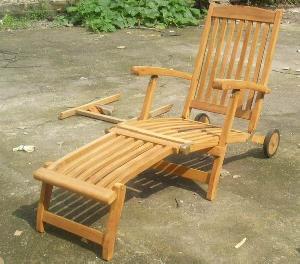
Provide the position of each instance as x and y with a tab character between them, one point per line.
45	71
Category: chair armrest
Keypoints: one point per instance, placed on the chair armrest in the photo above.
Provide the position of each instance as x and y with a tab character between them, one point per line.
230	84
147	70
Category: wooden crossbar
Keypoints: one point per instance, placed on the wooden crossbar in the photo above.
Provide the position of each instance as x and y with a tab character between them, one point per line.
73	227
183	171
102	101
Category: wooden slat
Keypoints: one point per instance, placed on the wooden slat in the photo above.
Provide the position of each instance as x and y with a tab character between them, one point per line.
266	71
151	133
170	128
241	60
74	185
183	171
101	174
227	49
107	161
80	151
77	162
73	227
244	13
216	59
139	164
93	163
259	59
107	118
102	101
147	138
199	63
160	111
218	109
210	49
217	97
233	56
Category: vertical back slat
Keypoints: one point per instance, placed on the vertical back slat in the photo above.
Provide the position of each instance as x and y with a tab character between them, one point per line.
216	58
233	56
210	49
198	63
266	72
226	52
242	59
252	54
263	42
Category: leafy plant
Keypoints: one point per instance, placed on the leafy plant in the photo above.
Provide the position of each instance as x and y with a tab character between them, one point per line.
108	16
11	22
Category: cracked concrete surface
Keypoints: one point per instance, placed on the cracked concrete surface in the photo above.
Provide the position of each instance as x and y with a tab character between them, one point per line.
40	76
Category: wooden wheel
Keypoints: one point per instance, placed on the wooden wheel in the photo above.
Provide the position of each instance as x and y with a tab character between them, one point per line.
271	143
202	117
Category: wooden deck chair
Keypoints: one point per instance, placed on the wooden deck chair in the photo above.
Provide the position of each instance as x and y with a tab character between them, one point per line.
230	78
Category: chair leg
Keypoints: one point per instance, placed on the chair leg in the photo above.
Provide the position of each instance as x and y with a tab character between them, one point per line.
113	221
43	205
214	177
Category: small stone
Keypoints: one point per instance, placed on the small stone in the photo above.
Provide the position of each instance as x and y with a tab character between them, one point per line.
18	233
298	50
121	47
60	143
225	173
286	68
83	78
236	176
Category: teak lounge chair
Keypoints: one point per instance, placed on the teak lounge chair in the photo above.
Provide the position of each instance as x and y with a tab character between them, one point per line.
230	78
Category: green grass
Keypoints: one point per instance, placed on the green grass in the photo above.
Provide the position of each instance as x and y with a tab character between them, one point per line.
12	22
41	11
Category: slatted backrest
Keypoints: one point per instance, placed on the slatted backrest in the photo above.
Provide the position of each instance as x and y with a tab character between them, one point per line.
237	43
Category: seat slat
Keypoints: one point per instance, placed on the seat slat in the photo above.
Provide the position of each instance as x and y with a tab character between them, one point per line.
129	170
77	162
109	160
93	160
119	162
79	152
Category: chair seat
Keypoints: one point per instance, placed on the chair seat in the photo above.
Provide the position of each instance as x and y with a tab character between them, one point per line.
117	158
102	163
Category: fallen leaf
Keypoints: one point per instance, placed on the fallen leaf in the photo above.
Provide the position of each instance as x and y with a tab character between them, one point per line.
236	176
238	245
